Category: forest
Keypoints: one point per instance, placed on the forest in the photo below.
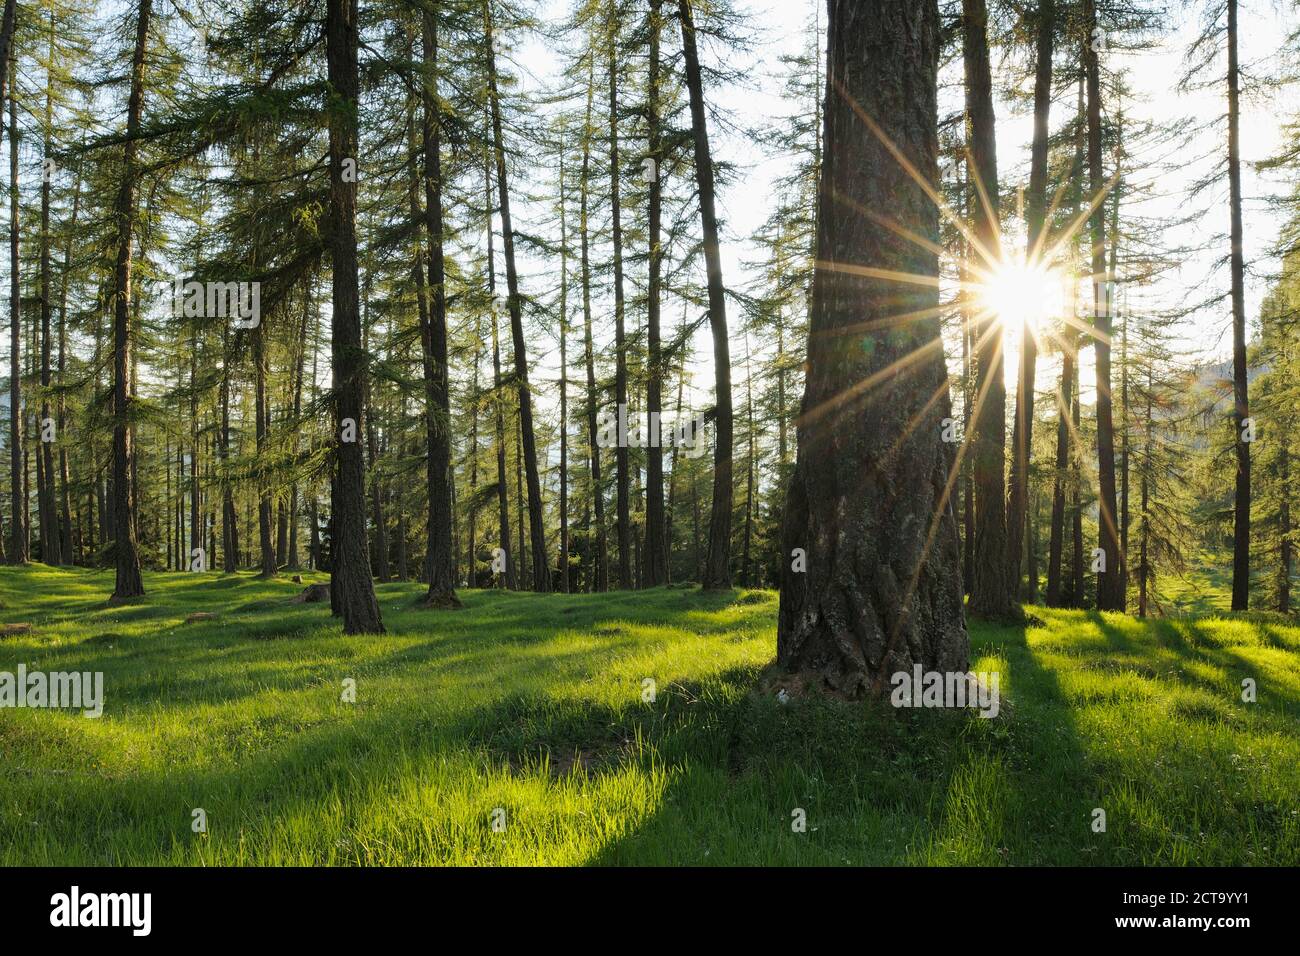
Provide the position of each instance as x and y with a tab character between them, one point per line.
650	388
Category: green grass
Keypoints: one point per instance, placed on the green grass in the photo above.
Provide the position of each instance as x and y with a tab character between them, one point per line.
533	704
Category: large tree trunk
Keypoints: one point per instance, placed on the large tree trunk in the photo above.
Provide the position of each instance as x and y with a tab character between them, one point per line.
994	582
541	571
1110	581
1241	406
437	415
656	544
1022	430
717	567
129	583
351	585
869	501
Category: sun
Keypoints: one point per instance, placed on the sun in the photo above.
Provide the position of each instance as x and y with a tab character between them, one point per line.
1020	293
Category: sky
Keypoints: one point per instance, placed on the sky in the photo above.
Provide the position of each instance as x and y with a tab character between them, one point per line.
780	26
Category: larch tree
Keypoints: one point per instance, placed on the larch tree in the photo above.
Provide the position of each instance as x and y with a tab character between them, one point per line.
353	590
871	574
717	564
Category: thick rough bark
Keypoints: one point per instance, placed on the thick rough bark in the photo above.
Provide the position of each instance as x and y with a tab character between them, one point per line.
868	500
352	590
437	414
1022	431
717	566
129	583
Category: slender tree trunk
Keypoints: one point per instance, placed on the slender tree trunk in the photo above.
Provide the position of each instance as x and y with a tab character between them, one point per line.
196	534
442	556
65	477
968	400
656	544
869	501
597	491
379	552
229	518
1240	398
1144	537
564	380
1036	211
129	583
1123	367
17	548
622	474
1285	551
509	579
351	584
745	577
1076	492
994	583
1110	581
717	570
519	502
472	553
51	538
541	574
299	372
261	414
1055	552
19	543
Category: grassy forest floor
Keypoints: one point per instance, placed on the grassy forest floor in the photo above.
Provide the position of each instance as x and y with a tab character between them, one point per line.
533	704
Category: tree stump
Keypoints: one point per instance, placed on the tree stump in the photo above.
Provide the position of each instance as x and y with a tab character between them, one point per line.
313	593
